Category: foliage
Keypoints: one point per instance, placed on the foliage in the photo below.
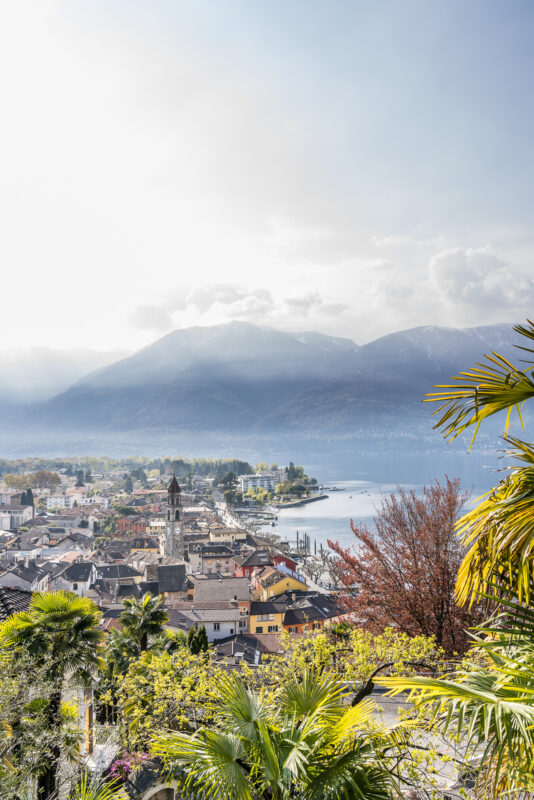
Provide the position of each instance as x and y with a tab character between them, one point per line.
56	639
500	531
197	640
404	573
88	789
305	743
356	658
143	617
125	511
489	701
164	691
41	479
25	735
123	766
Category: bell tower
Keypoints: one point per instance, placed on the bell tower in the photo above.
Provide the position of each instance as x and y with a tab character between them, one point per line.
174	540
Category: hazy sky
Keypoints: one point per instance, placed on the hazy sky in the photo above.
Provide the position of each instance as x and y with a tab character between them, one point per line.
350	167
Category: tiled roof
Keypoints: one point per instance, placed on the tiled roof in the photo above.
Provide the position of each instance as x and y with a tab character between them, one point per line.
13	600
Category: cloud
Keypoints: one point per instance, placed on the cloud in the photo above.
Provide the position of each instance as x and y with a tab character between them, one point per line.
151	318
479	279
218	303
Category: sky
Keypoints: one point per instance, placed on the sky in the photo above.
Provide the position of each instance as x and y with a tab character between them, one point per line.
349	167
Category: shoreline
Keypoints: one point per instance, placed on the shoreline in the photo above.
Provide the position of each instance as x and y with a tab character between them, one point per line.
304	501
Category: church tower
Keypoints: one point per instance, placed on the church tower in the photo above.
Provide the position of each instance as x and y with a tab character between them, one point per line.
174	540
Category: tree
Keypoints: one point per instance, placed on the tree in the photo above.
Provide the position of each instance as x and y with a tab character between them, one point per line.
228	481
262	467
197	640
488	702
44	479
88	788
59	635
128	484
404	573
143	618
306	744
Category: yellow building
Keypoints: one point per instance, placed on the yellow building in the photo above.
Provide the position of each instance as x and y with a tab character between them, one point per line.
222	535
266	617
271	582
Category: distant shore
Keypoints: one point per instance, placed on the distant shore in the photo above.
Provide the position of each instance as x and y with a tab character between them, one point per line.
302	502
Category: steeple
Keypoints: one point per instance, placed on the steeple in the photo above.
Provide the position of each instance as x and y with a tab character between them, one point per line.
174	486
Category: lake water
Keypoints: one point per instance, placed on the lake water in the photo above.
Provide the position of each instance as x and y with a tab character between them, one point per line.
362	495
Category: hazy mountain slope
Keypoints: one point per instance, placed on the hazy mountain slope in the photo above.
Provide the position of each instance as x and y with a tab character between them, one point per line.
38	373
244	378
433	350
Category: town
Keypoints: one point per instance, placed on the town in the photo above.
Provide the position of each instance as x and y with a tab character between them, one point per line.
115	535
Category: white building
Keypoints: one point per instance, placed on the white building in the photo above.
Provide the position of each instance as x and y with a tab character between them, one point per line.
17	515
261	480
219	622
60	501
95	500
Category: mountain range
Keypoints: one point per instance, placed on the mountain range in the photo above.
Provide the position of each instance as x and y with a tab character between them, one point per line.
244	380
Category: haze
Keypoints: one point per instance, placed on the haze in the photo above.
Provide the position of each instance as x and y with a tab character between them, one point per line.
353	168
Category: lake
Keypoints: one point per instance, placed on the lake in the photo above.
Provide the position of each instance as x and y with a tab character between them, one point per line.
362	495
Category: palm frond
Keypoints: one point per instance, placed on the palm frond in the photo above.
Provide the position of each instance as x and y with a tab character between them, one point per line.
211	762
349	774
314	695
88	789
500	532
491	386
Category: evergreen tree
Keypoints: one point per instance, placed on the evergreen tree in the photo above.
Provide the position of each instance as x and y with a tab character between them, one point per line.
202	640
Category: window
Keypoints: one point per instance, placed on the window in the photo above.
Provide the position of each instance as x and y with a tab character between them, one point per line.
216	626
74	586
316	626
272	628
259	628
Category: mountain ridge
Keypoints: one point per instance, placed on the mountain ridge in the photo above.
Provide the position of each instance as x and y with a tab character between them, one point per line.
252	380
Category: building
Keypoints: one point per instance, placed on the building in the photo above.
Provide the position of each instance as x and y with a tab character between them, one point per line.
220	619
174	538
77	578
15	515
131	526
272	582
262	480
267	617
60	501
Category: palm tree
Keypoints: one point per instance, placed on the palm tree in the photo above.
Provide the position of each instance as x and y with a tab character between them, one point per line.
499	532
489	702
143	618
306	744
59	634
88	789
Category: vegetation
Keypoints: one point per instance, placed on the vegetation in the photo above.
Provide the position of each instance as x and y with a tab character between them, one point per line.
42	479
404	573
143	618
57	639
489	702
150	681
304	743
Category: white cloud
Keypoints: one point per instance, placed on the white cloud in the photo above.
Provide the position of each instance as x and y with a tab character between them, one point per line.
213	304
480	280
